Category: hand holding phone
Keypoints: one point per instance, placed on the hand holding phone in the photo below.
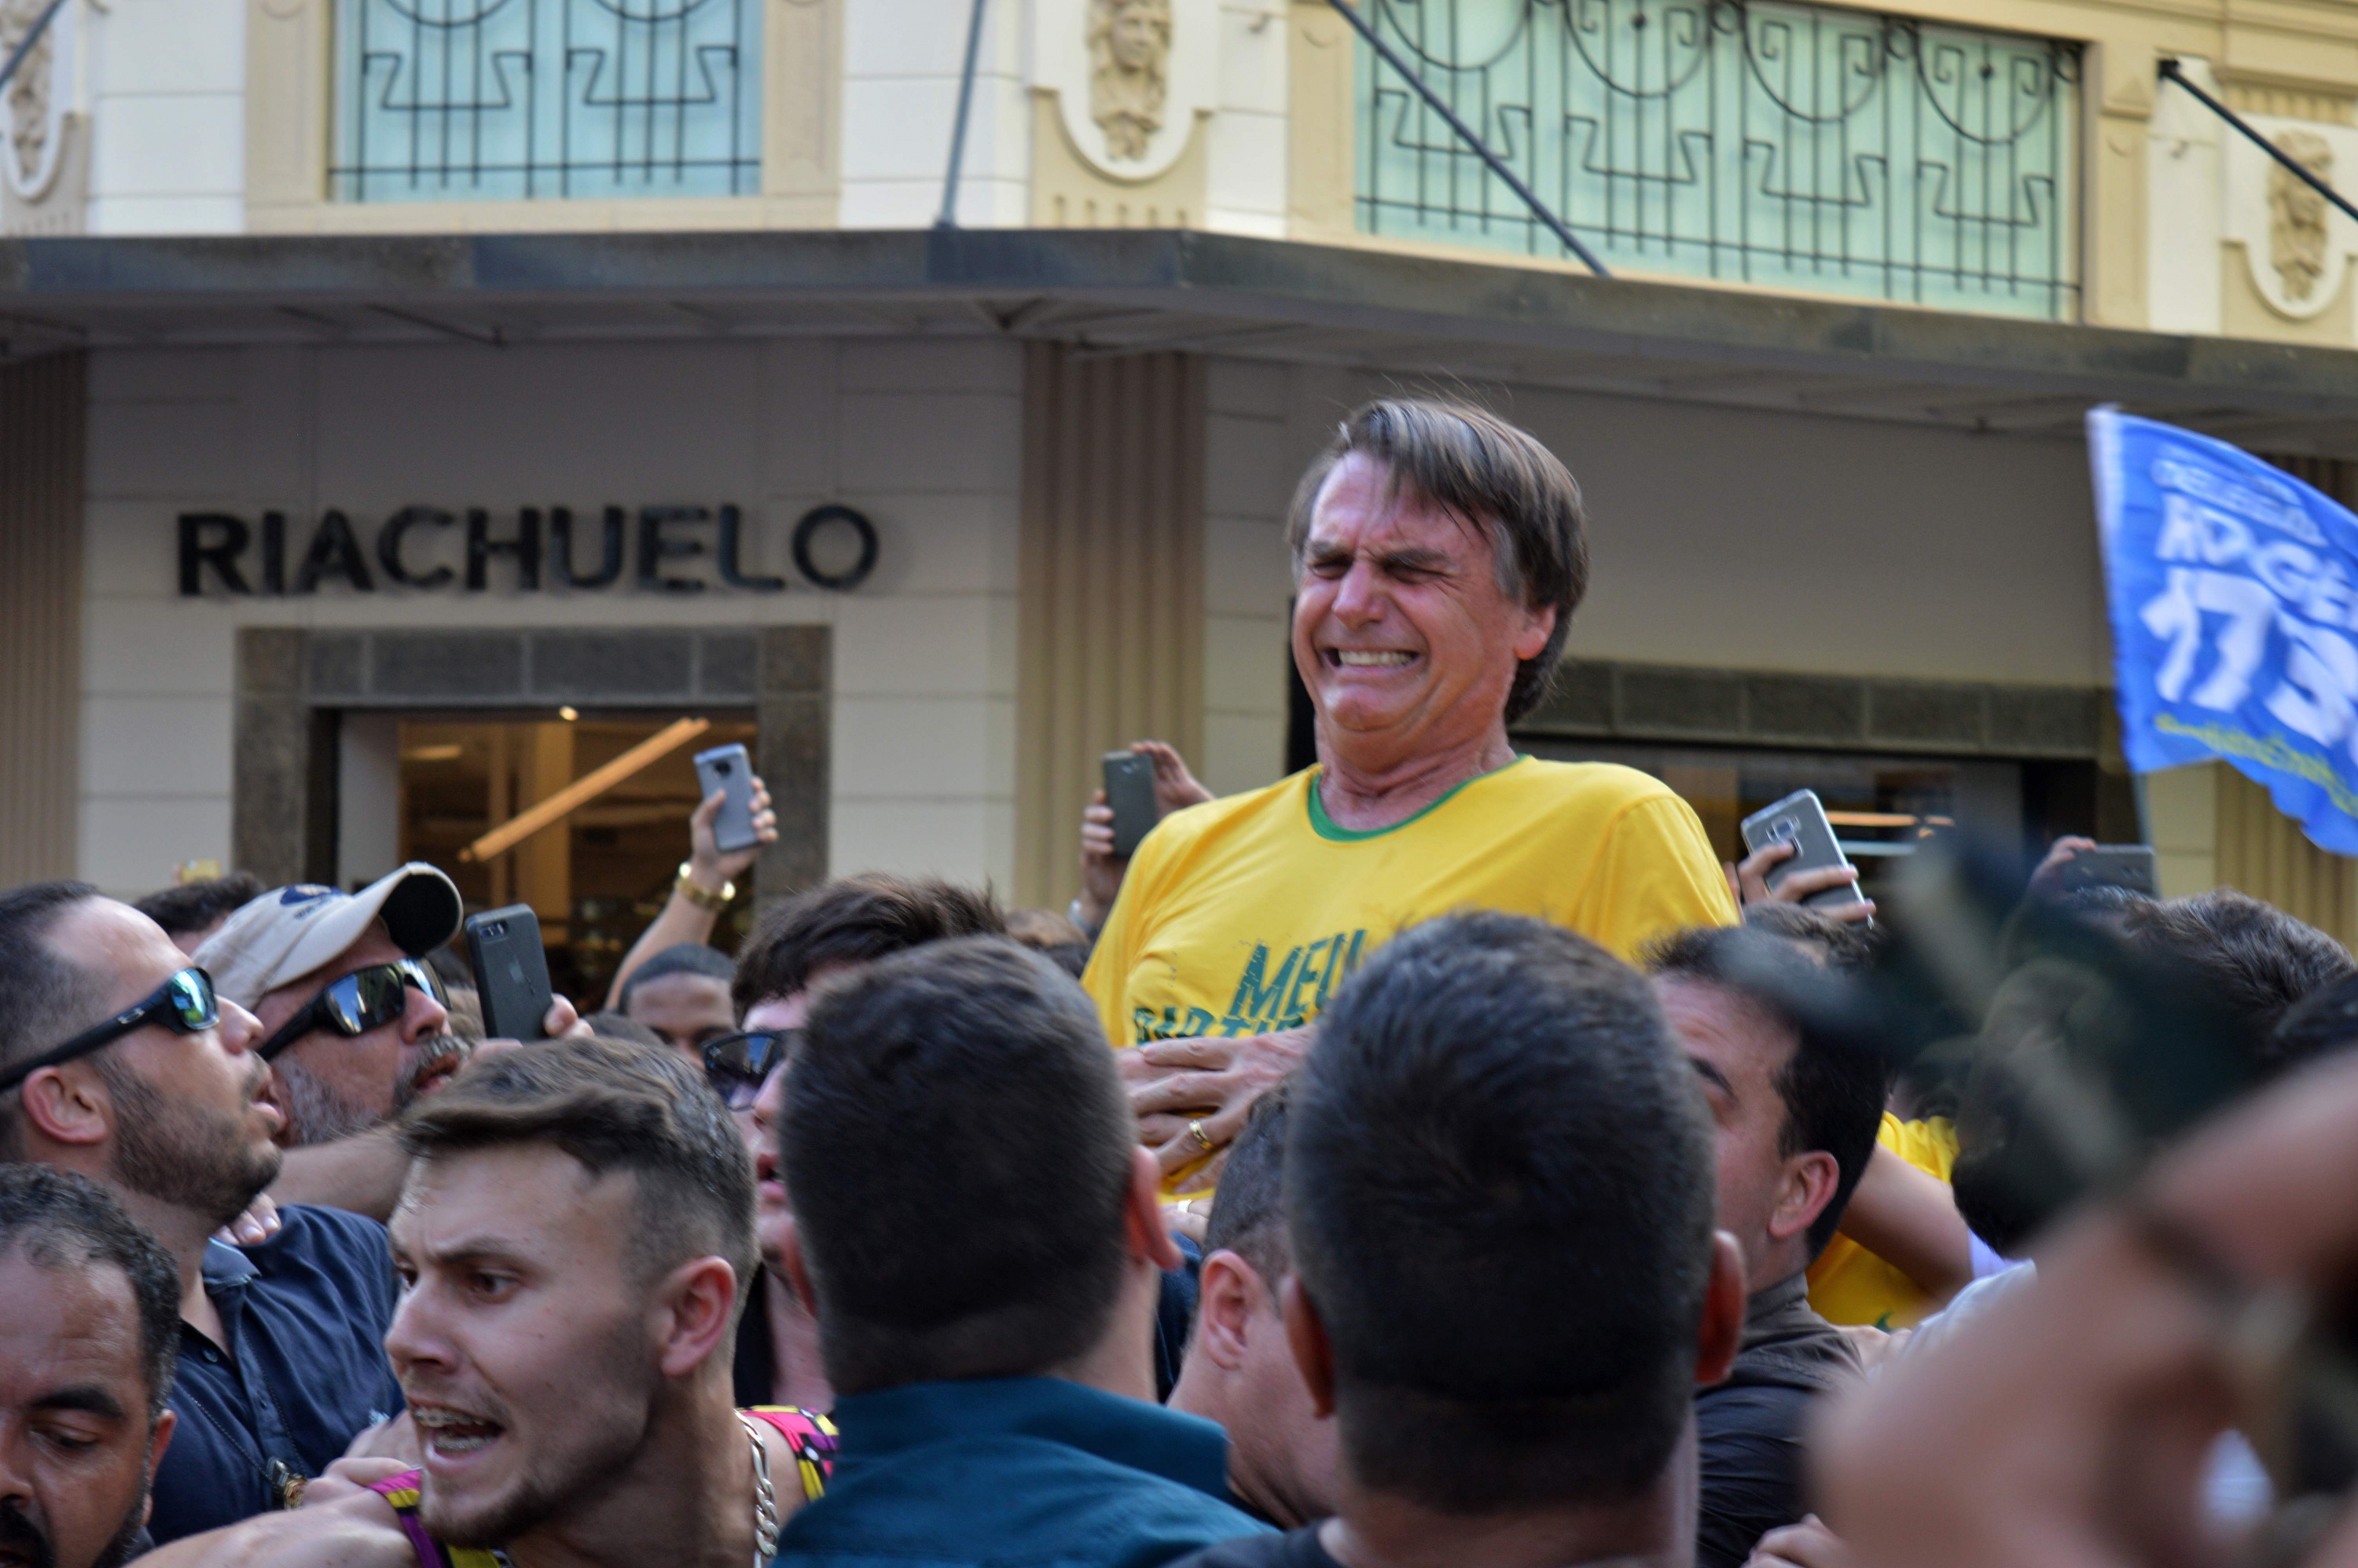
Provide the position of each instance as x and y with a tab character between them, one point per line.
1800	820
511	972
727	769
1129	791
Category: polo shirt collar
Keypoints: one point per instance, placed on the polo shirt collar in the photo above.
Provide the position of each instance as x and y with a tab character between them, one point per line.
225	1268
1177	1446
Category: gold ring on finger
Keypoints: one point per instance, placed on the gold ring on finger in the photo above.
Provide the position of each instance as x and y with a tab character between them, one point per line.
1198	1137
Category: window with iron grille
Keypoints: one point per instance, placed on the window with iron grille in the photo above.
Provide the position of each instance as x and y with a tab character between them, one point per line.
1751	141
460	100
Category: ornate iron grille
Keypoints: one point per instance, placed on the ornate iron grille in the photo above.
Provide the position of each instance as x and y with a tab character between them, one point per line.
456	100
1757	141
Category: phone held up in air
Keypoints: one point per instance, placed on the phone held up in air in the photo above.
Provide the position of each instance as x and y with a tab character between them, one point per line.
1800	820
2126	866
729	769
511	971
1130	790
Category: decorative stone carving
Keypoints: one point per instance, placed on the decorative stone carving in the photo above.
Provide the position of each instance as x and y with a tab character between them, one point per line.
2297	214
1130	58
1131	78
44	150
31	127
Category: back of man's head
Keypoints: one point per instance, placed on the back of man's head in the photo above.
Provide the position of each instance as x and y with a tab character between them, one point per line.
2258	959
613	1106
1833	1093
958	1152
57	1219
49	997
1500	1184
854	920
1248	1215
680	959
198	908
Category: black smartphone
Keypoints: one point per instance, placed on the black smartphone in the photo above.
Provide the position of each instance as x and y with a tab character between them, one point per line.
729	770
2126	866
1130	790
1800	820
511	971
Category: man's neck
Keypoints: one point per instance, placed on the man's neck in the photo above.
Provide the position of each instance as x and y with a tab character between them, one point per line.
1123	1360
1367	783
800	1379
1654	1529
184	1234
686	1497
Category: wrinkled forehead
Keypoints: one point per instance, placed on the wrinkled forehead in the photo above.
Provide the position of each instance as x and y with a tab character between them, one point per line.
532	1199
71	1325
1365	503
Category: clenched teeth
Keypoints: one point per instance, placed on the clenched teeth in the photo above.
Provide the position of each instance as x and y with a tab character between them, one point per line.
1352	658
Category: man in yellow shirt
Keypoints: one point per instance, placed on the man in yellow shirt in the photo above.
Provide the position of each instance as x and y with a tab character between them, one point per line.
1438	556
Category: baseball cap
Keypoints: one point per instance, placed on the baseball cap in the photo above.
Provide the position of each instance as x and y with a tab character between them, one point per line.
289	932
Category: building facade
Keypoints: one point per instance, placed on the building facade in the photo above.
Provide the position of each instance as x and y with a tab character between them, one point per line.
348	344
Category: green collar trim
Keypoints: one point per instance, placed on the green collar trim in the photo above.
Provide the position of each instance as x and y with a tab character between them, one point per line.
1326	827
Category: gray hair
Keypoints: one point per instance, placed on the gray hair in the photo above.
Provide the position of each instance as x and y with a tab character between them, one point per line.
1487	474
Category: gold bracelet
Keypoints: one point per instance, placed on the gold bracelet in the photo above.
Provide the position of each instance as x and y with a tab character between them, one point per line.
703	897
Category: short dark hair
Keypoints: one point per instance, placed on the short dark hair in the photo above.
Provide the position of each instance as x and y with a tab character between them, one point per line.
50	998
680	959
2257	959
1833	1091
1844	947
1489	474
854	920
60	1220
1499	1187
1249	1208
2323	1023
957	1149
194	906
613	1105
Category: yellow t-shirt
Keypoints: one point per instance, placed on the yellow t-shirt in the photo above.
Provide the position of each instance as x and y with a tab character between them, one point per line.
1848	1284
1242	915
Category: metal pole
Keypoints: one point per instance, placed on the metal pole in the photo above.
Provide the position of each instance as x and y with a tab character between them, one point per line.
1465	134
40	25
2170	72
948	220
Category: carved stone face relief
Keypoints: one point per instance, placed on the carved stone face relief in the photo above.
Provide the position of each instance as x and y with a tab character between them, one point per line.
2297	214
1129	53
28	105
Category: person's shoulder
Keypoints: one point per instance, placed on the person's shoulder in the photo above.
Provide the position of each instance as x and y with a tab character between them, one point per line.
309	1230
1207	818
1591	787
1294	1549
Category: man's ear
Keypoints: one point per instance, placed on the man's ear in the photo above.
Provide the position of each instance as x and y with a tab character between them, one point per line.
274	1094
69	1105
1314	1355
1539	625
695	1317
797	1268
1228	1298
1150	1238
157	1441
1721	1333
1810	1183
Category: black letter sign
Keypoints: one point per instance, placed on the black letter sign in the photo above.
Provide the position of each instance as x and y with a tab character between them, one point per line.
232	536
654	547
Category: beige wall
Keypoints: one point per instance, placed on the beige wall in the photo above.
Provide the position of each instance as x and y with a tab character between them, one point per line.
924	437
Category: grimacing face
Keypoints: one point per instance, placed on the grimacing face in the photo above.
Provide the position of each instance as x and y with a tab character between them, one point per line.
76	1447
1401	630
521	1340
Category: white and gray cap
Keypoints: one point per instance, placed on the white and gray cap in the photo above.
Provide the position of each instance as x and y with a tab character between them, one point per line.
289	932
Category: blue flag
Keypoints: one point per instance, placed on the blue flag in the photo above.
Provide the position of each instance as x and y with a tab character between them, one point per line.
2234	592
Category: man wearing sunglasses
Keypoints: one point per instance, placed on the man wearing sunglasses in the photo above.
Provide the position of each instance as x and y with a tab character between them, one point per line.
119	1062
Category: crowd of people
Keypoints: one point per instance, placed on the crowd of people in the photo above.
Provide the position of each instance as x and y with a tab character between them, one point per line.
1436	1157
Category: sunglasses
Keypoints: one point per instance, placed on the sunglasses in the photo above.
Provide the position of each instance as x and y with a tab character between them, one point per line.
364	999
184	1004
737	1065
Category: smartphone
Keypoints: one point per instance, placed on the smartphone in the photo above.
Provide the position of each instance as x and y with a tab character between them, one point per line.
729	769
2126	866
1130	790
511	971
1800	820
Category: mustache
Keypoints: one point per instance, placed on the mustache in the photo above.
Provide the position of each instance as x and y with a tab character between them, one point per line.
441	1054
20	1534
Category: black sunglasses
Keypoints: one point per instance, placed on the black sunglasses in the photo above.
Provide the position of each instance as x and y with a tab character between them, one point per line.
364	999
184	1004
737	1065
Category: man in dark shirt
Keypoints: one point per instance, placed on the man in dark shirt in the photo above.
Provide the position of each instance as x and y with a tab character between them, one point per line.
116	1061
1795	1116
1506	1280
980	1237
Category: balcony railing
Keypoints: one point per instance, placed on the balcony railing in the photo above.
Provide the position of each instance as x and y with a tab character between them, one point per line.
1754	141
470	100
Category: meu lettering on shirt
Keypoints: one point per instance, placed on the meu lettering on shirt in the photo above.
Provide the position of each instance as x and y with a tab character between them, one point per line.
1264	1002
